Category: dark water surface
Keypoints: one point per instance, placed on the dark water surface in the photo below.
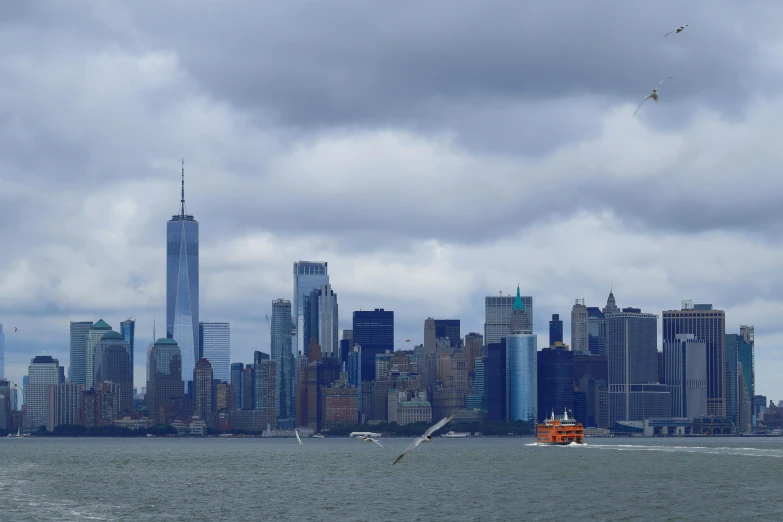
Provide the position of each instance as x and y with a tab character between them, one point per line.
343	479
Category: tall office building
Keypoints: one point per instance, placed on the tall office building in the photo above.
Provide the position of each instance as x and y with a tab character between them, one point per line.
202	389
555	380
747	358
266	389
112	363
346	343
308	275
65	405
632	355
164	368
579	328
497	316
214	340
374	332
128	331
94	335
448	329
2	353
43	371
280	349
710	326
474	342
611	305
685	375
182	285
495	381
236	385
521	378
321	320
6	403
555	330
596	331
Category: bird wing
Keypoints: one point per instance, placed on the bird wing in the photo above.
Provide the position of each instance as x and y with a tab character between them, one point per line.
640	105
297	436
670	32
438	426
378	443
660	82
410	448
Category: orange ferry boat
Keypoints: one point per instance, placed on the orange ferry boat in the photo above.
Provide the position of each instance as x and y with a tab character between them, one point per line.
560	430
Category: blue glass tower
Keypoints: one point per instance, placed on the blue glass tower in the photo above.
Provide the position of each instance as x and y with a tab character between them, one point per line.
128	331
521	378
182	285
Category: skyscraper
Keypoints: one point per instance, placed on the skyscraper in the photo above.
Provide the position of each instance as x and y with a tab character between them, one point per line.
280	348
202	389
555	380
308	275
214	341
685	375
236	385
448	329
497	316
94	335
495	381
596	331
747	358
521	377
266	389
43	371
632	355
112	363
611	305
164	367
182	285
324	320
710	326
555	330
128	331
374	332
2	353
474	342
579	327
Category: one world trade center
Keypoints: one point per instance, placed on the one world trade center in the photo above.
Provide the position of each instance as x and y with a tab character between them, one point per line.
182	285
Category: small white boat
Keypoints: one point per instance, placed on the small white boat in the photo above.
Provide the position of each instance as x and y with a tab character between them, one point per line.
319	436
455	435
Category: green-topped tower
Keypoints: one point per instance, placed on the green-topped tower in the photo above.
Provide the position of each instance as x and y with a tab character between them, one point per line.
519	322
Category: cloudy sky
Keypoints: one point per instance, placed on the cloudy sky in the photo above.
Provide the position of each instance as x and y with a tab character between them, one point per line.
432	152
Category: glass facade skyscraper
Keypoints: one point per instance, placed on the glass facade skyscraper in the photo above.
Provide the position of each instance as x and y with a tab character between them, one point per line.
596	331
308	275
374	332
555	381
164	368
128	332
555	330
214	341
497	316
521	378
280	348
2	353
182	285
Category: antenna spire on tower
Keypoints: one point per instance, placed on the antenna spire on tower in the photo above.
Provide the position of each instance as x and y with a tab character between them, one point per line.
182	201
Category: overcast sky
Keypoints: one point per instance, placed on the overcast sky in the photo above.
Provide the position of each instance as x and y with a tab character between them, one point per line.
432	152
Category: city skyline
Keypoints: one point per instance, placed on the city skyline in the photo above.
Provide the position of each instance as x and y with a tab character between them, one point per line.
279	172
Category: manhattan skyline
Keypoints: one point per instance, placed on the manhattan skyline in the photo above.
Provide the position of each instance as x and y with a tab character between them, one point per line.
424	199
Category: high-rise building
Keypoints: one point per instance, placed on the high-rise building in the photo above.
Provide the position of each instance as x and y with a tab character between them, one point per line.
112	364
596	331
214	340
495	381
555	380
321	320
65	405
374	332
746	357
266	389
611	305
555	330
280	349
497	316
521	378
448	329
249	387
5	405
579	328
182	285
632	355
685	375
164	368
43	371
2	352
128	331
202	389
94	335
308	275
474	342
709	325
236	385
346	343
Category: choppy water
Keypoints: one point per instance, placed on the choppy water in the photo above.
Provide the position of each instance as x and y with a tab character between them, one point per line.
343	479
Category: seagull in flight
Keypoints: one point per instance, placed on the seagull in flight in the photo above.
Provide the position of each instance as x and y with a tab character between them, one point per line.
677	31
427	437
16	329
370	439
297	436
653	95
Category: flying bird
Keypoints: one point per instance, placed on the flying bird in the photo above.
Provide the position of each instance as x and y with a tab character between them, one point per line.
297	436
370	439
677	31
427	437
16	329
653	95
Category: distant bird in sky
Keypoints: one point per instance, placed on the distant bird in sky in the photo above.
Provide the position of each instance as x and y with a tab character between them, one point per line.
653	95
297	436
427	437
370	439
678	30
16	329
